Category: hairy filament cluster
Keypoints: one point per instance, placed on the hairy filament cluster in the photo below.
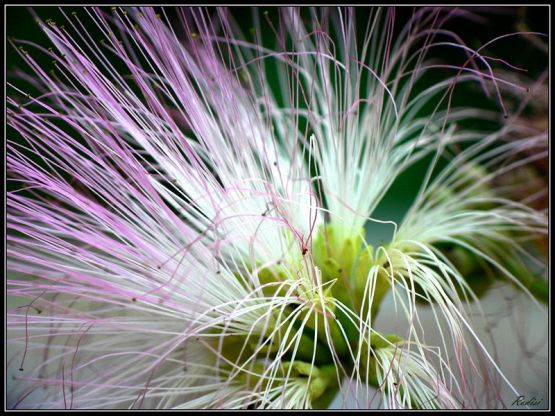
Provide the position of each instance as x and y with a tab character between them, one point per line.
190	210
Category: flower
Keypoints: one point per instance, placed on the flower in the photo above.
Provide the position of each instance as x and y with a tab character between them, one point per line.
188	226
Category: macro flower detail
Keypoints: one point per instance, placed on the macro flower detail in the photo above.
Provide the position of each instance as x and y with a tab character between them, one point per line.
192	200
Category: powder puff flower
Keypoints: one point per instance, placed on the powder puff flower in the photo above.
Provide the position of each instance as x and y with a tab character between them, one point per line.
188	203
